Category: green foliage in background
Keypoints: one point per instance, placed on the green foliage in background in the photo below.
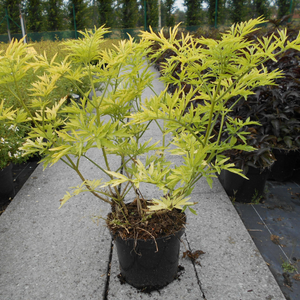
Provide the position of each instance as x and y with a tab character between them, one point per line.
237	12
284	7
106	13
13	11
80	7
262	8
193	12
34	16
170	19
129	13
54	15
152	13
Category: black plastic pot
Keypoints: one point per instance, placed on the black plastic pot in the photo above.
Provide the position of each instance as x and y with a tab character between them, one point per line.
6	183
149	263
243	190
285	164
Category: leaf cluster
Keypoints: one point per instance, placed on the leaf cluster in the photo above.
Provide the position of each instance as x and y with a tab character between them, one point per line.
279	129
277	107
215	72
11	139
117	78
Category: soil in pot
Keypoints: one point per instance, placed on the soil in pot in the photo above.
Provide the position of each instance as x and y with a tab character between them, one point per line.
285	164
148	250
243	190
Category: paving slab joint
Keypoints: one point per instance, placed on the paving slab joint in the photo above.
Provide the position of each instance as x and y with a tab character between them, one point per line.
105	296
195	270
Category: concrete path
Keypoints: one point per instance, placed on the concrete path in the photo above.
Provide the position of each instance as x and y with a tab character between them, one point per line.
50	253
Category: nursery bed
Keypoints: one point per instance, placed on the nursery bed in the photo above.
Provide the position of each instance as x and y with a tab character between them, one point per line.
274	227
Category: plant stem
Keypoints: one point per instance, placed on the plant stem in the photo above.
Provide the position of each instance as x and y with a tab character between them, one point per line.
108	168
73	166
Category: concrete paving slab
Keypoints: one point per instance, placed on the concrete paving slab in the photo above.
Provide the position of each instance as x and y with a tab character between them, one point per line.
51	253
232	267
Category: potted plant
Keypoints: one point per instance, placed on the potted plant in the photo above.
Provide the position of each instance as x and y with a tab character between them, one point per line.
280	113
256	164
278	109
283	114
101	124
11	139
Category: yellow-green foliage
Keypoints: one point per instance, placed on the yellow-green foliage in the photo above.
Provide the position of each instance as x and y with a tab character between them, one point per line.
50	49
55	47
216	71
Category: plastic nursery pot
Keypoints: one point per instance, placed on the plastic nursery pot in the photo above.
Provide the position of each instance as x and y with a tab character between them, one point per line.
243	190
149	263
6	183
285	164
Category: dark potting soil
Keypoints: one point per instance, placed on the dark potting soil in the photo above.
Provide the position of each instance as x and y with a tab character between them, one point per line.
149	227
193	256
274	225
21	172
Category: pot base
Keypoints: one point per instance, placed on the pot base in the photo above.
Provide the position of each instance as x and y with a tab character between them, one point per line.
285	165
6	184
149	264
243	190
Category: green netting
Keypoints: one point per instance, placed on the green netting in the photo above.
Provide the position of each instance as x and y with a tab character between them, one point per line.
39	36
4	38
70	34
117	33
51	35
